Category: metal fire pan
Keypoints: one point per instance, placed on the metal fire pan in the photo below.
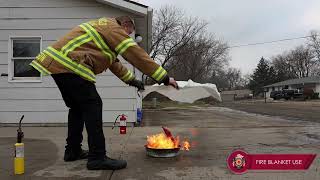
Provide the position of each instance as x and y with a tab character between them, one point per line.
162	153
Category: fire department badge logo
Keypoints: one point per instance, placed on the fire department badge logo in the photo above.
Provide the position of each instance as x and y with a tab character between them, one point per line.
238	162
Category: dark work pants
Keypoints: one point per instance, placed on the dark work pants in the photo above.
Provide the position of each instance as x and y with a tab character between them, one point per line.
85	107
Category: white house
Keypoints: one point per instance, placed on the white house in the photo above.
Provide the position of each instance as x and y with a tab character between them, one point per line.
307	82
27	26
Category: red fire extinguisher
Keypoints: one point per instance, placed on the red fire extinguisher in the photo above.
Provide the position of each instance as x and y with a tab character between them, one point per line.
123	123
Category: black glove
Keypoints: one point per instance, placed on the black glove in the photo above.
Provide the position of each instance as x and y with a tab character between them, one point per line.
138	84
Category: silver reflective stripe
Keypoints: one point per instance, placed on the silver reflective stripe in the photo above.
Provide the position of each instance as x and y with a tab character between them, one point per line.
159	74
70	64
40	68
128	76
124	45
99	41
74	43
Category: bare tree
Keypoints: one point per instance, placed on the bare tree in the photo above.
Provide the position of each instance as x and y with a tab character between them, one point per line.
199	58
234	78
284	70
302	61
165	22
297	63
172	31
245	80
230	78
314	44
219	78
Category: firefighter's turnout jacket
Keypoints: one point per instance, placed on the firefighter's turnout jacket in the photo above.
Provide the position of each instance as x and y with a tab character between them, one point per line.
91	48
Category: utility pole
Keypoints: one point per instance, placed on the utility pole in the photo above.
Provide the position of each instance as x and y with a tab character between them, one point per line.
265	95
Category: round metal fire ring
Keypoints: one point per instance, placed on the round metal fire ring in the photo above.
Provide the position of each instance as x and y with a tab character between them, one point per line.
162	153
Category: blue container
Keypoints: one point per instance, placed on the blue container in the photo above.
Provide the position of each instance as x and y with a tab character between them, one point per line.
139	116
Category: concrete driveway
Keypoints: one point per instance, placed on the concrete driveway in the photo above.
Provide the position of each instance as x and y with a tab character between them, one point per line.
213	131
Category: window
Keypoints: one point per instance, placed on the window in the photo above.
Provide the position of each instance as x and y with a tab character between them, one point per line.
22	51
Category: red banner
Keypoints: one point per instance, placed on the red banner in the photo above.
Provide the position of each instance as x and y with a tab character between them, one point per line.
240	161
281	161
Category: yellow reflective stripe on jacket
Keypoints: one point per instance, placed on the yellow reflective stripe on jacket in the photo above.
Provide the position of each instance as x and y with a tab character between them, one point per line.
40	68
98	41
70	64
124	45
128	76
40	57
74	43
159	74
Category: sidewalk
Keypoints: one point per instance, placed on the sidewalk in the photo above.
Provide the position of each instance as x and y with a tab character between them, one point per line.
44	147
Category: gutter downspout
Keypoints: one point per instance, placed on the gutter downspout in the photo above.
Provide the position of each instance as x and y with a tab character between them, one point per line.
149	29
149	35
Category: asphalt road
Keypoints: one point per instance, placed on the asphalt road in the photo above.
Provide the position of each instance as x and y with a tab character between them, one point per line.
294	110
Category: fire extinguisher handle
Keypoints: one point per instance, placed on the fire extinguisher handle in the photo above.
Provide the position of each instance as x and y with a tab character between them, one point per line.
115	121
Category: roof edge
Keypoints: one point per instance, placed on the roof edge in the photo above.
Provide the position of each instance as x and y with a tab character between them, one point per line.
286	82
139	4
128	5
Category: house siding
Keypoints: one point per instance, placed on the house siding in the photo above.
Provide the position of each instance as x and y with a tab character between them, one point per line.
42	102
317	89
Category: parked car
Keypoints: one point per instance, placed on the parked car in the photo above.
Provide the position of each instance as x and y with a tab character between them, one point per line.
287	94
276	95
292	93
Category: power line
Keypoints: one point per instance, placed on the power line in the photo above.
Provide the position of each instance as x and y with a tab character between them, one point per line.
268	42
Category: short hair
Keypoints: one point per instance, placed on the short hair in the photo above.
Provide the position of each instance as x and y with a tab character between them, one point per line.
125	19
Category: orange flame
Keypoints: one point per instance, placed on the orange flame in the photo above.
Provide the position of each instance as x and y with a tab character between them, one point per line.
161	141
186	145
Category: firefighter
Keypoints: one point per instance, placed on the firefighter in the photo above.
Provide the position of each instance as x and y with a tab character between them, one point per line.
74	61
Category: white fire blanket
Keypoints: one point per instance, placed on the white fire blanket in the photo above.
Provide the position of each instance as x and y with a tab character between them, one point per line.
188	92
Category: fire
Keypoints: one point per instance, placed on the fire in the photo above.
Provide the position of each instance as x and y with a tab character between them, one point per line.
161	141
186	145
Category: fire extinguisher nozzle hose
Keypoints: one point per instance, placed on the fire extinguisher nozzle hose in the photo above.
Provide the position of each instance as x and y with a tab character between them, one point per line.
114	124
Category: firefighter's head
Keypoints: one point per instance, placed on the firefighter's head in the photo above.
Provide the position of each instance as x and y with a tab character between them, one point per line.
127	23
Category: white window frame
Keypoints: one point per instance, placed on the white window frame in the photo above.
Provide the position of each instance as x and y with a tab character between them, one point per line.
11	77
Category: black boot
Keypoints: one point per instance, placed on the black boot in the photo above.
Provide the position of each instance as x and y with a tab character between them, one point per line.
106	164
72	155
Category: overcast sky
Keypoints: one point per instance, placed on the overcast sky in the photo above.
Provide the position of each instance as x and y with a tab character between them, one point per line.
251	21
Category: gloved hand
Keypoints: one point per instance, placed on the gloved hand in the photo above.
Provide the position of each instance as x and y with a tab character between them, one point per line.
170	81
173	83
136	83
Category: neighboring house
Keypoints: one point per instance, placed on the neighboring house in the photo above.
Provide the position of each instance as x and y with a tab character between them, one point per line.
307	82
27	27
235	94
